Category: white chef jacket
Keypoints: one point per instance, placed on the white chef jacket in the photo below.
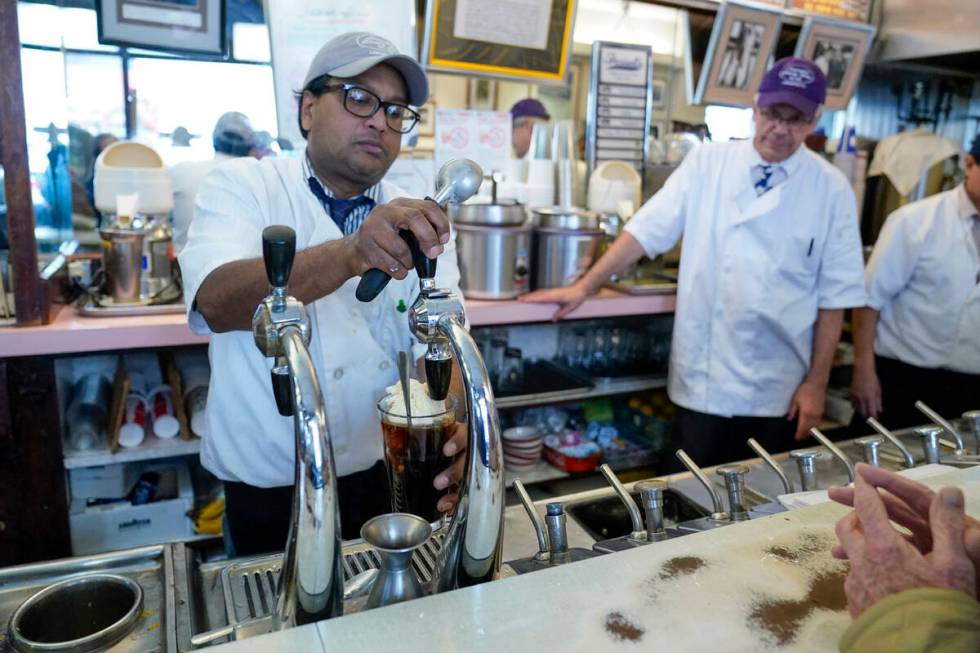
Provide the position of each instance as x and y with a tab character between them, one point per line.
354	344
185	179
923	277
754	271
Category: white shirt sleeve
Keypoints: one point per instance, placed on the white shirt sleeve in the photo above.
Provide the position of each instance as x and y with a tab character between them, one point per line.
659	223
891	264
841	280
227	226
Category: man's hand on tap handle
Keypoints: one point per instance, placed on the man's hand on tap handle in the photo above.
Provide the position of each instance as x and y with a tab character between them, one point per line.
376	243
454	448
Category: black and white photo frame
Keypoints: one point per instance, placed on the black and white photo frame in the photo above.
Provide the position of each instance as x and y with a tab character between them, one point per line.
839	49
193	26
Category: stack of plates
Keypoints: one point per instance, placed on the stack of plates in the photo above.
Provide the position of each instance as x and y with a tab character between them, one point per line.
522	447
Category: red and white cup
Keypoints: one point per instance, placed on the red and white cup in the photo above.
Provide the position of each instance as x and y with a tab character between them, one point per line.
135	419
165	424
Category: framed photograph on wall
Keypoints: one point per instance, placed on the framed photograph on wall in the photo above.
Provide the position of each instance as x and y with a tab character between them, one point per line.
173	25
658	94
839	49
481	94
525	40
741	43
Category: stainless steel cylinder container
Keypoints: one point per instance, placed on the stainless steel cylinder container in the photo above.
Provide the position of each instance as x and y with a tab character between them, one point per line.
122	256
494	261
561	256
502	213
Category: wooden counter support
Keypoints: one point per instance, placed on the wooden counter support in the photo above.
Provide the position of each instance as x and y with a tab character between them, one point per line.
33	496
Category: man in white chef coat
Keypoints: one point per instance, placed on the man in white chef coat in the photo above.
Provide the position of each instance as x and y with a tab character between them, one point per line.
771	257
353	110
919	336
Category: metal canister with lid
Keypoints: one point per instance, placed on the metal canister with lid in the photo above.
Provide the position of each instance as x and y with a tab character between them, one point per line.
566	243
494	246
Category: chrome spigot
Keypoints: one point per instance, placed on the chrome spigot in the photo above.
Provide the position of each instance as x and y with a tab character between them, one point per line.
835	450
638	534
718	510
535	518
735	484
652	498
930	442
888	435
938	420
769	460
311	583
557	534
806	463
870	446
972	419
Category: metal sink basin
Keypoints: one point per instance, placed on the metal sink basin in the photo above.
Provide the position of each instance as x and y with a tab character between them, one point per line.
150	566
607	518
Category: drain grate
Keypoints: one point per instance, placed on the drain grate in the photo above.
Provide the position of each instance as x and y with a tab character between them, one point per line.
250	586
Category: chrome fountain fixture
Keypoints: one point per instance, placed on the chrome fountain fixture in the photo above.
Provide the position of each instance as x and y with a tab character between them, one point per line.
471	549
311	582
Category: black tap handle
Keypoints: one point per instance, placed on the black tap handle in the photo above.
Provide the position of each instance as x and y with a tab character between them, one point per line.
278	251
437	376
282	389
374	280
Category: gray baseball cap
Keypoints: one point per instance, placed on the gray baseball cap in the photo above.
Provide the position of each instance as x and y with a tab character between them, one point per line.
350	54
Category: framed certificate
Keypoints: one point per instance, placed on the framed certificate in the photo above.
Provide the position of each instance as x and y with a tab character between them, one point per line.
526	40
171	25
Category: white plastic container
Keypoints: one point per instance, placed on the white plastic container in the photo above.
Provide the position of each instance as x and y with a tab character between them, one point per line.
613	182
165	424
126	167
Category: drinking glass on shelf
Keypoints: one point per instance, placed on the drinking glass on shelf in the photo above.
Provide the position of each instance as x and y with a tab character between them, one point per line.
511	377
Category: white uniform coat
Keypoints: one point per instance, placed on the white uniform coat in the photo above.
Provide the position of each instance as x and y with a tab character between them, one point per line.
354	345
923	277
754	272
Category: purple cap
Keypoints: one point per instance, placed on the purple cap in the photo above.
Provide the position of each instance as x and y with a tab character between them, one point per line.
530	108
794	81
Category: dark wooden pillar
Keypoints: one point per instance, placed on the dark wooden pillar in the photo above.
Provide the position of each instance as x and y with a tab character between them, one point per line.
29	295
33	496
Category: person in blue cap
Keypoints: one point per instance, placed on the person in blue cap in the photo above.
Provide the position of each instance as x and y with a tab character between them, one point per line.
918	338
771	257
525	114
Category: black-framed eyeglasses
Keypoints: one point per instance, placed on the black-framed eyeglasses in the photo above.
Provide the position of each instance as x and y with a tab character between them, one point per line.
363	103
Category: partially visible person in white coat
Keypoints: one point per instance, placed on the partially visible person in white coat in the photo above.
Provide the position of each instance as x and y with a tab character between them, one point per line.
770	259
233	137
353	110
919	336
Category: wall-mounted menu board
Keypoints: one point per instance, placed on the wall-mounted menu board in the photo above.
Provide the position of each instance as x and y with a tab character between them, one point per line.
620	100
857	10
527	40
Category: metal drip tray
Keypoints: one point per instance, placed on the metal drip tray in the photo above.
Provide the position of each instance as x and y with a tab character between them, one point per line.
249	586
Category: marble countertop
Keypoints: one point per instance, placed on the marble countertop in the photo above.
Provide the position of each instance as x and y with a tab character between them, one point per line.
764	585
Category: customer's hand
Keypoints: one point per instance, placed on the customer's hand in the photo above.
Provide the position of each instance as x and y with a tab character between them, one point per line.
908	504
807	408
866	391
568	298
884	563
376	243
455	448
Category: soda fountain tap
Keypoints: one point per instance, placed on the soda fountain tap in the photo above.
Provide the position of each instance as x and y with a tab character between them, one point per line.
735	484
870	446
835	450
930	442
938	420
888	435
769	460
806	462
718	509
311	582
652	498
638	534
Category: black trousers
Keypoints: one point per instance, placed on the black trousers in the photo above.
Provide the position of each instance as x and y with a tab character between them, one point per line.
713	440
947	392
257	519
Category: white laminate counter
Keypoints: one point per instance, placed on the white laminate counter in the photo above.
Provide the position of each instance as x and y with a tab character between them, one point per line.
630	601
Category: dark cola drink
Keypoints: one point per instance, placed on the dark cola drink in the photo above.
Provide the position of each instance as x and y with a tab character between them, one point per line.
413	457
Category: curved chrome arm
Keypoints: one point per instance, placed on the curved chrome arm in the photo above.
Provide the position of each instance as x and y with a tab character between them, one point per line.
888	435
311	583
769	460
471	551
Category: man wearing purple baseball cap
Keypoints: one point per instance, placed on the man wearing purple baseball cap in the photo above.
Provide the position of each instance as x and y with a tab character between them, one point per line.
771	257
525	114
356	101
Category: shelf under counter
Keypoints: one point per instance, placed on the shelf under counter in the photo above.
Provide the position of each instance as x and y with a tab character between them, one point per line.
151	448
603	387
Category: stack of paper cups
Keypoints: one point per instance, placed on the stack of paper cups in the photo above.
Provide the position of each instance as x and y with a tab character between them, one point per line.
136	414
540	183
165	425
196	380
